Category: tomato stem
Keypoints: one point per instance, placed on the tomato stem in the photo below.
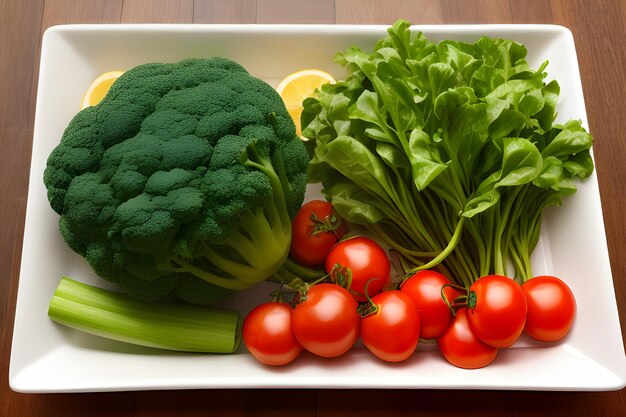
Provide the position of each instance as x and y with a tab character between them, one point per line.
329	223
454	304
471	300
370	307
341	275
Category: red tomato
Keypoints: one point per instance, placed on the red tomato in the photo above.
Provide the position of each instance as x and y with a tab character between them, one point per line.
268	336
551	308
424	288
366	260
497	310
326	323
315	230
393	331
461	347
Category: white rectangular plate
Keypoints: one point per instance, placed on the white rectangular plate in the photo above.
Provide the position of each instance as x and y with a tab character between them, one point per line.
47	357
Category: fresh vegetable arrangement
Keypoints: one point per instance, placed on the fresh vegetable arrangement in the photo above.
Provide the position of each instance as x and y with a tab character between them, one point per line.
448	153
186	183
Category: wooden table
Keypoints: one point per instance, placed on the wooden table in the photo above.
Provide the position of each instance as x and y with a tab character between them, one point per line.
600	34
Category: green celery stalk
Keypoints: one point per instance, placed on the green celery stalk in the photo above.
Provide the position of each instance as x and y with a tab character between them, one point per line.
171	326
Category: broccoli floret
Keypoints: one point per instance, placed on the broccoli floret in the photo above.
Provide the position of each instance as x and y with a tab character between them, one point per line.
182	182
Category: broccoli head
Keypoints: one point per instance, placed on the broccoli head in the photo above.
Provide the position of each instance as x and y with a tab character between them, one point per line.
182	182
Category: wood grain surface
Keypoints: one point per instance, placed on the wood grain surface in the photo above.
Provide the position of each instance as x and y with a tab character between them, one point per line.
599	28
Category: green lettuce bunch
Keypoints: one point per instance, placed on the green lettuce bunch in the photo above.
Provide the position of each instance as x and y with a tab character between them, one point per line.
446	151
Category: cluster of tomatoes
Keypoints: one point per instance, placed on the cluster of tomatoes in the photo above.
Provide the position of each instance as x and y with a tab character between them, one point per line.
469	325
497	310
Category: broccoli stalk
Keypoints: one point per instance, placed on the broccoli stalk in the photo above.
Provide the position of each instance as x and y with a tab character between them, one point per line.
258	246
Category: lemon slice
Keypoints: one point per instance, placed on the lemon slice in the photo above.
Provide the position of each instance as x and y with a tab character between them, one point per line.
99	88
297	86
